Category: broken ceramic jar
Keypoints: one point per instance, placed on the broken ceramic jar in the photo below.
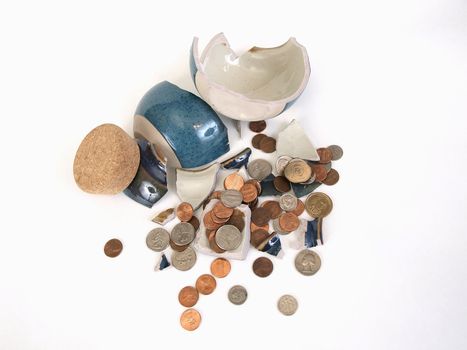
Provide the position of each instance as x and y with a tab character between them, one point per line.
184	128
294	142
258	85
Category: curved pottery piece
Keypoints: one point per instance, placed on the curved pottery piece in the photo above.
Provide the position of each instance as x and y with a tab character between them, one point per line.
184	128
150	182
294	142
260	84
194	186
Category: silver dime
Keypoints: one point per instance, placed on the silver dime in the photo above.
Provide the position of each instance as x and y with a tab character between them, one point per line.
287	305
237	295
288	202
231	198
337	152
157	239
185	260
259	169
281	163
228	237
307	262
277	228
182	234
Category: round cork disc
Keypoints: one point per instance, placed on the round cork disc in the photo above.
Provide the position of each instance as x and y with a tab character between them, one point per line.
106	161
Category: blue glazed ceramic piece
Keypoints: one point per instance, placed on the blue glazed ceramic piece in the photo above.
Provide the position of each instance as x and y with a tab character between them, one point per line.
185	129
238	160
150	182
267	187
301	190
273	246
311	234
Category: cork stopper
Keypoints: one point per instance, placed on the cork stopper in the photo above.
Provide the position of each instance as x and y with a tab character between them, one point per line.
106	161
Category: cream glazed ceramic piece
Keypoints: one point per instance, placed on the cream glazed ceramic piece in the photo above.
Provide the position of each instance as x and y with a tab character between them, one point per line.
258	85
201	243
194	186
293	142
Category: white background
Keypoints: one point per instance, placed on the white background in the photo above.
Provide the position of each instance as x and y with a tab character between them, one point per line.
389	84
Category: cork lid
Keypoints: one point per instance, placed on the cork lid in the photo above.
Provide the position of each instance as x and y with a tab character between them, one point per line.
106	161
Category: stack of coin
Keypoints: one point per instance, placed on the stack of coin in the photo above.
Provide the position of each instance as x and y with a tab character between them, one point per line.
264	143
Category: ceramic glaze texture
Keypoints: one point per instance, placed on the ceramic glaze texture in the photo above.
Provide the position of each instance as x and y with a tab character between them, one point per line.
257	85
184	127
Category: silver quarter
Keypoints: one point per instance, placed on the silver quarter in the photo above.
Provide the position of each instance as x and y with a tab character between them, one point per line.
158	239
259	169
182	234
287	305
228	237
337	152
281	163
288	202
277	228
307	262
185	260
237	295
231	198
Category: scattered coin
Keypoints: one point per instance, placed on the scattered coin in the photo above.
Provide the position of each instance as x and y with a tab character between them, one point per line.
287	305
300	208
281	184
205	284
273	207
318	205
188	296
267	144
325	155
185	260
195	223
307	262
332	178
259	169
253	205
262	267
182	234
237	295
209	222
113	248
228	237
277	227
190	319
260	216
289	222
254	227
221	211
184	211
220	267
281	163
237	219
257	126
288	202
219	221
258	236
336	151
158	239
297	171
231	198
320	172
249	193
233	182
256	183
212	243
256	140
178	248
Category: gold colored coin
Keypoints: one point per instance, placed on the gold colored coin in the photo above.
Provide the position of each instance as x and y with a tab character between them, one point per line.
297	171
318	205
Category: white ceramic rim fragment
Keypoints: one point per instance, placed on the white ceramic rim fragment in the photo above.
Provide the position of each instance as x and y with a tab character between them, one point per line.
292	141
258	109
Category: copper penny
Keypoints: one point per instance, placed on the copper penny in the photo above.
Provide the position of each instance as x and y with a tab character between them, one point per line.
281	184
113	248
237	219
299	209
254	227
320	172
221	211
190	319
256	183
260	216
253	205
212	243
220	267
257	126
267	144
184	211
256	140
258	236
209	222
178	248
233	182
194	222
205	284
289	222
220	221
325	155
249	192
273	207
188	296
332	178
262	267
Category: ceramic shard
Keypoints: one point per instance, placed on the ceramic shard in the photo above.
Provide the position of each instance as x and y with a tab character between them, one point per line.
164	216
293	142
161	263
301	190
238	160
